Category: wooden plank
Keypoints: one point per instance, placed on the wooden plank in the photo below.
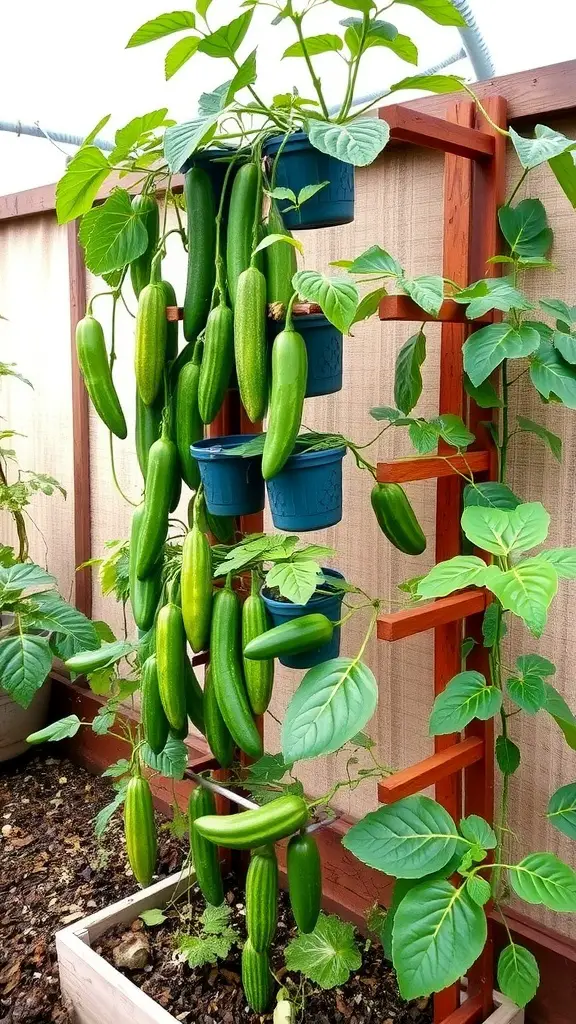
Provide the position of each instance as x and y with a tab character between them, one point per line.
421	129
401	307
430	467
431	770
80	428
410	621
469	1012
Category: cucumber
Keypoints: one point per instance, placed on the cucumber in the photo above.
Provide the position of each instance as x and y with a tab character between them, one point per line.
151	337
289	378
280	262
171	325
241	217
262	898
259	675
201	224
296	636
97	374
162	472
140	830
257	980
222	527
148	429
397	519
194	697
144	594
204	854
229	685
250	342
188	425
304	880
154	722
196	585
147	208
219	739
217	362
247	829
170	655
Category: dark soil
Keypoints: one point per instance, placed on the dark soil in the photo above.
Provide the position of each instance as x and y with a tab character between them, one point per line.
53	871
213	994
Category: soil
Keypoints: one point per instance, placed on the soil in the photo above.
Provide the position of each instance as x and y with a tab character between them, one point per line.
213	994
54	871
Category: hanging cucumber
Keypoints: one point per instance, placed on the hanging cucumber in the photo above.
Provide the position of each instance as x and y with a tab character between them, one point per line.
194	697
144	594
151	336
244	199
97	375
204	854
247	829
171	325
262	898
140	830
154	722
280	263
196	583
250	342
219	739
222	527
170	660
304	880
259	675
289	377
147	209
162	469
296	636
226	661
189	426
257	980
148	429
201	217
217	362
397	519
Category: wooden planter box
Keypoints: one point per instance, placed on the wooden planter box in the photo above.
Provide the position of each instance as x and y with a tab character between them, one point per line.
96	993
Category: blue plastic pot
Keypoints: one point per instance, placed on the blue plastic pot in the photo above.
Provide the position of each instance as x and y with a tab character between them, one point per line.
301	164
307	493
233	486
329	605
209	162
324	347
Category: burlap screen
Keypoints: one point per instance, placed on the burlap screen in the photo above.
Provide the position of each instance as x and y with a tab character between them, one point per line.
399	206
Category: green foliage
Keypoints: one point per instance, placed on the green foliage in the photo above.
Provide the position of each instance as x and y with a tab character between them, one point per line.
105	815
545	145
507	755
502	532
337	297
518	974
113	234
487	348
162	26
212	942
78	187
552	376
152	918
60	730
358	142
171	762
327	955
541	878
407	375
467	696
562	810
525	228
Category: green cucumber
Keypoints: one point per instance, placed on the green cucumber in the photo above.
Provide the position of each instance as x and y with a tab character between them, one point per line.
219	739
151	337
171	325
262	898
194	697
97	374
250	342
201	217
160	478
148	429
170	659
289	377
144	594
189	427
196	585
154	722
226	661
217	362
140	830
397	519
257	980
247	829
259	675
147	209
241	217
204	854
296	636
281	264
304	870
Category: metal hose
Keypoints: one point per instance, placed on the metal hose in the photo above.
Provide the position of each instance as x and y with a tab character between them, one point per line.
474	42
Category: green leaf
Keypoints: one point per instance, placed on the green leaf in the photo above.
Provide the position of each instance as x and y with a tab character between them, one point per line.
274	239
492	293
315	45
182	140
25	662
423	435
378	33
376	261
89	139
560	309
60	730
552	376
525	228
333	702
214	102
507	755
283	193
22	576
369	304
198	950
327	955
337	297
80	183
405	839
296	581
535	664
245	76
562	810
528	692
119	768
179	54
454	574
105	815
103	721
113	234
171	762
564	169
162	26
563	560
356	5
225	41
476	830
485	394
202	7
453	430
358	142
487	348
56	615
527	589
407	376
443	12
552	440
566	345
545	145
426	291
541	878
501	531
309	191
490	495
152	918
430	83
557	707
493	625
137	133
478	889
385	412
438	934
518	974
466	697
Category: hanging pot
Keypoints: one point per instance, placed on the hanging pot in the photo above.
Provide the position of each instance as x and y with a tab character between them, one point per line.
328	604
324	346
307	493
301	164
233	486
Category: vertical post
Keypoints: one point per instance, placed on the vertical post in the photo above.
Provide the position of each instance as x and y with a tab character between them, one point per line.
80	428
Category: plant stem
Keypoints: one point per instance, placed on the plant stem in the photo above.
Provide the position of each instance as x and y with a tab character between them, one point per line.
484	112
297	21
354	68
518	185
505	435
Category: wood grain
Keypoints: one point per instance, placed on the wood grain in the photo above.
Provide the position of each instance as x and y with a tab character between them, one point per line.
430	467
410	621
431	770
401	307
422	129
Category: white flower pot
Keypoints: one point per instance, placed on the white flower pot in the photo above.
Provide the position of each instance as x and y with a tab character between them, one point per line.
17	723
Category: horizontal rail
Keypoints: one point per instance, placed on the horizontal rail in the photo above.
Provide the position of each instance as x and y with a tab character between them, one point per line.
409	125
410	621
471	1011
402	307
201	659
174	313
431	770
432	467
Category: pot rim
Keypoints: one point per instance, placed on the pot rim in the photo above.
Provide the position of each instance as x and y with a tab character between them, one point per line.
327	570
213	449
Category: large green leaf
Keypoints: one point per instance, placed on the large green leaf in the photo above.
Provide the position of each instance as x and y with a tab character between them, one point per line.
60	730
315	45
337	296
376	261
22	576
466	697
80	183
566	344
369	304
430	83
454	574
552	376
171	762
57	616
182	140
477	831
113	234
358	142
558	709
378	33
502	531
525	228
527	589
563	560
439	931
528	692
426	291
564	168
214	102
485	394
453	430
162	26
407	839
507	755
443	12
25	661
560	309
487	348
296	581
542	878
245	76
492	293
328	954
333	702
490	495
227	39
423	435
562	810
518	974
552	440
407	376
546	144
136	133
179	54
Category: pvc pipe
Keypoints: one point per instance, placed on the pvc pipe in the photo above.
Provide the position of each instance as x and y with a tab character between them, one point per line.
474	43
17	128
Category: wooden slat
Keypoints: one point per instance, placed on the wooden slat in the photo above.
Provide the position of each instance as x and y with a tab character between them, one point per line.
202	763
469	1012
431	770
410	621
420	129
201	659
431	467
401	307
